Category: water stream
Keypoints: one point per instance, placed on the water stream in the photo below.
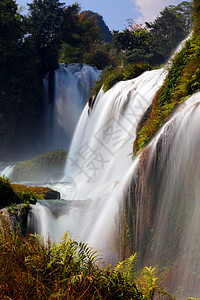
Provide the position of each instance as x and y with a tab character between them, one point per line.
149	204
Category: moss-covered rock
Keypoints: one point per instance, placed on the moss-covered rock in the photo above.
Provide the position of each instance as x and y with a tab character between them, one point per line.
41	167
37	192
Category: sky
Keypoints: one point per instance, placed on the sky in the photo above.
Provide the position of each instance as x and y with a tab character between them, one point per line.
116	12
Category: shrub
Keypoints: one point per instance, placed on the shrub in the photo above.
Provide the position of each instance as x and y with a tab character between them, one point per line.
183	80
7	195
32	269
111	75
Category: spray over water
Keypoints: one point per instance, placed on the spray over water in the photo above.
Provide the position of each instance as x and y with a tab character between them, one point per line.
150	205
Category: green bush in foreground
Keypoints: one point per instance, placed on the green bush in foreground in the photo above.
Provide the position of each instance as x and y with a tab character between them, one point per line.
32	269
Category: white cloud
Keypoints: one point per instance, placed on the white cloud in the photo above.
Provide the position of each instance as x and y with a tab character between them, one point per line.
150	9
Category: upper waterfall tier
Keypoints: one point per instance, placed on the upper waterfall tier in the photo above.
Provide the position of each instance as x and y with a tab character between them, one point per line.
100	153
65	94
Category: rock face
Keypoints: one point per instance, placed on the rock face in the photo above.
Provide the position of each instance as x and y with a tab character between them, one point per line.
49	195
160	215
16	217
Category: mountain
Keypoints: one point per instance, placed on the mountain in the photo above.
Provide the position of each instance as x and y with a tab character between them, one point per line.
106	33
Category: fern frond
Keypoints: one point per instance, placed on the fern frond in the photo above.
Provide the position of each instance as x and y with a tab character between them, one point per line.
87	254
150	284
128	266
118	268
149	276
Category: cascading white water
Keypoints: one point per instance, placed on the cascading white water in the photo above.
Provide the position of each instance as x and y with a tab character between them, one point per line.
100	155
102	145
161	186
7	171
162	194
64	99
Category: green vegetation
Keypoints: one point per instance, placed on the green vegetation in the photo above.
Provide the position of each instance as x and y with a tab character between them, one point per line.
30	46
136	50
9	196
40	167
32	269
183	80
170	28
112	75
52	32
37	192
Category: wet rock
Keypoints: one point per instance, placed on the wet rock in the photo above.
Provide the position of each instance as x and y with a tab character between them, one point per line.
51	195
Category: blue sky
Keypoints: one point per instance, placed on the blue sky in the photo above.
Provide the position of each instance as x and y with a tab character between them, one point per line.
116	12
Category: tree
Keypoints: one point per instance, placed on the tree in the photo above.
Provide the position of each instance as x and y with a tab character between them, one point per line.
10	28
19	84
185	11
170	28
80	34
196	16
44	25
100	55
161	37
137	46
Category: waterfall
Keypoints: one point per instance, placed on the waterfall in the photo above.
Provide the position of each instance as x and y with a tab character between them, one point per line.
66	92
7	171
100	156
120	204
101	149
161	202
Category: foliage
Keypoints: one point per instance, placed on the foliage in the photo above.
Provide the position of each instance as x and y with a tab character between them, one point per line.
18	75
10	27
30	46
85	34
8	196
136	46
40	167
44	27
112	75
196	16
37	270
37	191
150	284
101	55
183	79
105	34
185	11
170	28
